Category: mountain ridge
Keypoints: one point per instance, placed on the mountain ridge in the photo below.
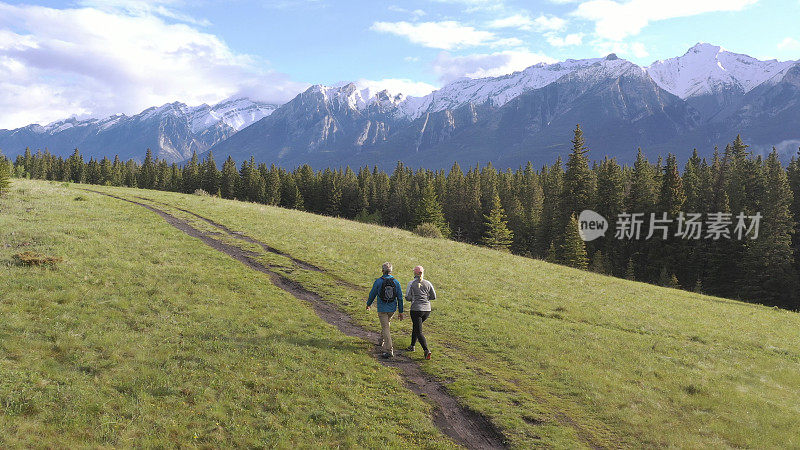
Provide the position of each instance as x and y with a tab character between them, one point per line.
691	101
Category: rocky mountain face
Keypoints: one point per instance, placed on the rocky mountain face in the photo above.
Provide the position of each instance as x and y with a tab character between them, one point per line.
173	131
698	100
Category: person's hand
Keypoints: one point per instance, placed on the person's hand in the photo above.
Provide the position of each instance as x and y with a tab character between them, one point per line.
400	316
369	307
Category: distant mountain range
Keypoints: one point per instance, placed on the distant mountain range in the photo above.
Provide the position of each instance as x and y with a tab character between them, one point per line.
698	100
173	131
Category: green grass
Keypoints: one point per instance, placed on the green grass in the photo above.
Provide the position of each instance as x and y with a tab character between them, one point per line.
145	337
554	356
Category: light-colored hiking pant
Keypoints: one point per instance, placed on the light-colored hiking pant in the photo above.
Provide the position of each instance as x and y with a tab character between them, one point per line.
385	318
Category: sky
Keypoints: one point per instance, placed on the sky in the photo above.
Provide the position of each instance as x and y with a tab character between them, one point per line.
94	58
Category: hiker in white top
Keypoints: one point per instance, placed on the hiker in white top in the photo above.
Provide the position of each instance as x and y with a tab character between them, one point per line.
420	293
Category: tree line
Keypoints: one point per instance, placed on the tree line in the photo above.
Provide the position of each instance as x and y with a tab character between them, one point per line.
528	211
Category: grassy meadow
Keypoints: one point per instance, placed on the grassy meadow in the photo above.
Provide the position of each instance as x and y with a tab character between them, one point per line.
145	336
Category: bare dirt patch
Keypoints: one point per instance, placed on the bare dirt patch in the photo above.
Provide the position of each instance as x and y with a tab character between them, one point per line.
36	259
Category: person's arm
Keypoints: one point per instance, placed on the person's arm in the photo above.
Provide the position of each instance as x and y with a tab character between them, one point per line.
432	294
373	293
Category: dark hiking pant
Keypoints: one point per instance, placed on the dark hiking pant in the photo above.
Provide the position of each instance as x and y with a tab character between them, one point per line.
417	317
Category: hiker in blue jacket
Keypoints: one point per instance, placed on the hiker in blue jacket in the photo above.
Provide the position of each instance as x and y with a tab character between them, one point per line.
390	299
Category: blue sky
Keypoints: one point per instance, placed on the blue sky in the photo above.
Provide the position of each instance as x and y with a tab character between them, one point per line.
100	57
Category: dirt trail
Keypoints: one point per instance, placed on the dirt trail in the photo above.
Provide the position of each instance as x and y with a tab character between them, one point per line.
466	427
562	418
238	235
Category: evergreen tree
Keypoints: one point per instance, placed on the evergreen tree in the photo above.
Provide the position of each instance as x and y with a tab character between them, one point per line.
532	202
769	274
332	193
5	174
117	172
549	232
610	203
148	172
290	195
92	172
27	162
130	173
497	235
455	203
164	177
229	179
106	173
642	199
793	176
429	210
630	270
352	201
672	195
578	179
598	264
473	209
210	176
75	167
573	249
191	175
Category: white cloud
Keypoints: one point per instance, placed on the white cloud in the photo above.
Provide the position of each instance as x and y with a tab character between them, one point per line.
144	8
446	35
549	23
450	67
615	20
520	21
397	86
417	13
789	44
477	5
542	23
507	42
60	62
565	41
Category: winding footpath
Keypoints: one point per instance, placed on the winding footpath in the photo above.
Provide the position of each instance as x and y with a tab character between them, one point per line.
464	426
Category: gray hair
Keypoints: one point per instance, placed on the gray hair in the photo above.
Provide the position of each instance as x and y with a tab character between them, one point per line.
387	268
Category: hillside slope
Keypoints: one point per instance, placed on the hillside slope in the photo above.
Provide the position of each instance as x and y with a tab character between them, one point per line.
142	337
553	356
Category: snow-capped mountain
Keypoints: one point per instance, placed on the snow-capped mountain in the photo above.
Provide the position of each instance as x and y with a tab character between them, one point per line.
497	90
698	100
173	131
707	69
674	105
236	113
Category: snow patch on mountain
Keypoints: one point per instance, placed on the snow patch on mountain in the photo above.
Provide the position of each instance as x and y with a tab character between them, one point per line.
706	69
356	97
236	113
500	90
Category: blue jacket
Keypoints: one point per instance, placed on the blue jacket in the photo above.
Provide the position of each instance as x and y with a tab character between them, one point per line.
382	305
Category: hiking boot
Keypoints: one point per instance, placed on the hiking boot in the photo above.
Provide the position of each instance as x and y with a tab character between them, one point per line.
410	348
386	355
428	355
380	343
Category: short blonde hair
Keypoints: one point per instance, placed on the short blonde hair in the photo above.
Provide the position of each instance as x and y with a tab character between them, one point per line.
387	268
